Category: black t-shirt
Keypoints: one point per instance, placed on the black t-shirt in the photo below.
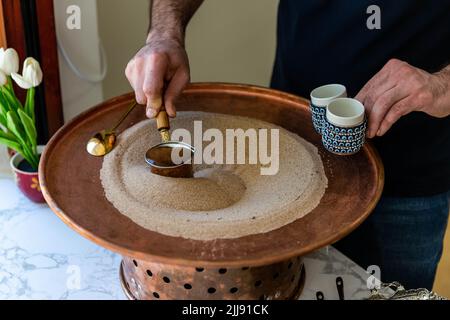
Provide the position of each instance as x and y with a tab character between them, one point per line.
328	41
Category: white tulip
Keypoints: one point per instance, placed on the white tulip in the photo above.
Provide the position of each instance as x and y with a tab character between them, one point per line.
3	79
9	61
31	74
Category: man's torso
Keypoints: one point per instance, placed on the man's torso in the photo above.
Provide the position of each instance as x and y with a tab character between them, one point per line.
328	41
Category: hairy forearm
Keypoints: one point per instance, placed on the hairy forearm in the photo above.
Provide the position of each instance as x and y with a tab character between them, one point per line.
169	18
444	88
445	73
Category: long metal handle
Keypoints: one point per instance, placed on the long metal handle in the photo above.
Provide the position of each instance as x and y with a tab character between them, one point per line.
124	116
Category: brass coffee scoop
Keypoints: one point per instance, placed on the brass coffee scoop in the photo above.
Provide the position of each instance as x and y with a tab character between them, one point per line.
103	142
159	157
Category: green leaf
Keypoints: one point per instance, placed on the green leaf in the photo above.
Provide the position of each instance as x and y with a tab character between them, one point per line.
10	144
3	119
4	104
30	129
31	158
29	103
10	85
13	124
7	135
26	148
12	100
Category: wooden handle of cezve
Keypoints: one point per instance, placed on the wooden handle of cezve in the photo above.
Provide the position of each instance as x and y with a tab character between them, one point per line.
162	120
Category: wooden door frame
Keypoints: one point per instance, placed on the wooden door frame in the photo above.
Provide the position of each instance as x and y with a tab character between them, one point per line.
2	28
29	27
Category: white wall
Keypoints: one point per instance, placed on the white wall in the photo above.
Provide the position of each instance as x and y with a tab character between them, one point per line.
123	29
82	47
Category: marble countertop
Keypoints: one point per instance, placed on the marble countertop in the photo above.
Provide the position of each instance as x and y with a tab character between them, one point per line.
42	258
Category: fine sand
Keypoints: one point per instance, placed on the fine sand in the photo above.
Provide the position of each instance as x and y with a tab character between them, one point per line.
221	201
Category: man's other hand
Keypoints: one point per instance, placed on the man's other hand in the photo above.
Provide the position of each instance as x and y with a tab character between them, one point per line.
399	89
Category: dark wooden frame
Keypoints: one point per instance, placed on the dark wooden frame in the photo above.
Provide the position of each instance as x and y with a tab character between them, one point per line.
30	29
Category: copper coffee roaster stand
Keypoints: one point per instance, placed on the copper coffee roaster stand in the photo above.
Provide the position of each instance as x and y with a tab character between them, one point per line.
282	280
156	266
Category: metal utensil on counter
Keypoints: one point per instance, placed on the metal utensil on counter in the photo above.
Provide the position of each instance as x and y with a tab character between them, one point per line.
395	291
319	295
340	288
104	141
169	158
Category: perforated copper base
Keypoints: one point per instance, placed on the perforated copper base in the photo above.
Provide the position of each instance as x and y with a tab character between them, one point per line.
142	280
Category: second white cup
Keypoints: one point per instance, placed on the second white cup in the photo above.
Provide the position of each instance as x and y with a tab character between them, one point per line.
344	129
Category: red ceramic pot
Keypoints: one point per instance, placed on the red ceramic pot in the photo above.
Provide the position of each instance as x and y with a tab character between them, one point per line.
28	182
11	152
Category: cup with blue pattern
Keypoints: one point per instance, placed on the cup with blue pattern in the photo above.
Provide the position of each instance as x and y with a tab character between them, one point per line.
320	99
344	129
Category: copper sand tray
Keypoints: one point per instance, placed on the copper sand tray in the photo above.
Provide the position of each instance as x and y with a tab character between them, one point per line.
70	181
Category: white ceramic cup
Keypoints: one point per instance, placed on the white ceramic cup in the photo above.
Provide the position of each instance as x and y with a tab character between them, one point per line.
322	96
345	112
344	126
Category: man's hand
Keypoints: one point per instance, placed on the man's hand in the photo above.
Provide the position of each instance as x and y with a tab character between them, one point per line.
399	89
159	72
